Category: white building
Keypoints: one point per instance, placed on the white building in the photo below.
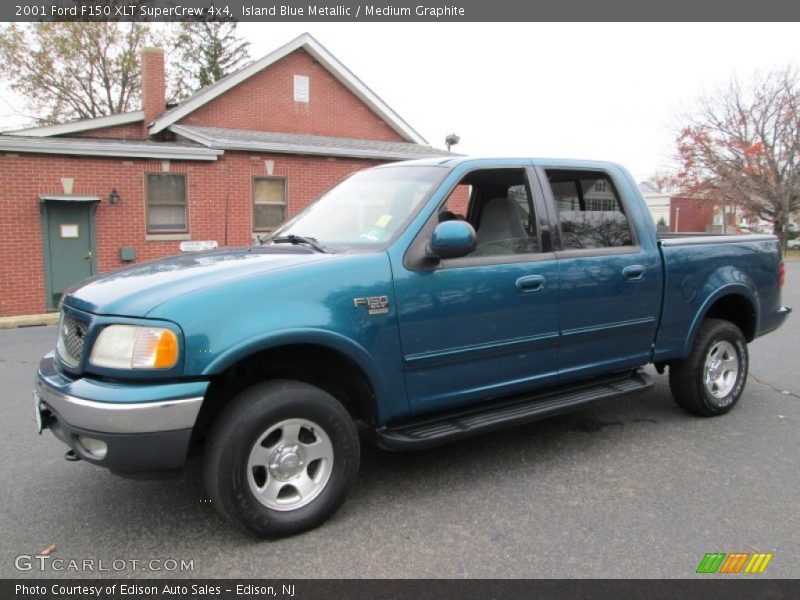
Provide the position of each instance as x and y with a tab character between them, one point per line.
657	202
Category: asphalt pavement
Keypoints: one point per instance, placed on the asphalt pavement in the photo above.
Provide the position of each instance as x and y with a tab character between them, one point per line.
633	487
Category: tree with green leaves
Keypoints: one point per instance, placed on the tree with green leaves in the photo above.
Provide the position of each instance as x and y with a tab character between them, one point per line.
202	53
69	71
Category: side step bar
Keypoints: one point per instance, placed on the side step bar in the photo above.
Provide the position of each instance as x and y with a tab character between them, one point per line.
432	431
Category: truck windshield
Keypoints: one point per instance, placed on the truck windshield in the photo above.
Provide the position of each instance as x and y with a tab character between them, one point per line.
365	211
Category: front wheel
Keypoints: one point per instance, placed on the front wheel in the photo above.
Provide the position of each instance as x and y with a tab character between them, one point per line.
281	458
710	381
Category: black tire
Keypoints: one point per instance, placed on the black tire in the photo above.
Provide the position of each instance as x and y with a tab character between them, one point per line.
234	436
687	377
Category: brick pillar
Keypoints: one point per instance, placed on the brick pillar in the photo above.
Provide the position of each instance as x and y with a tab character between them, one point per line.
154	87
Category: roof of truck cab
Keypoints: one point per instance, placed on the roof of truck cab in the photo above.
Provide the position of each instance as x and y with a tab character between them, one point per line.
453	161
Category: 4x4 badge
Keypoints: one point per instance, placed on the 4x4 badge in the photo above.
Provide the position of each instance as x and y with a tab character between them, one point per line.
376	305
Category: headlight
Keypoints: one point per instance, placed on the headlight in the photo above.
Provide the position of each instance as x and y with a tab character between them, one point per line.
130	347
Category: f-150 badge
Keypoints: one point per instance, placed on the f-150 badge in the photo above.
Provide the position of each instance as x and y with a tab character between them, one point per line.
376	305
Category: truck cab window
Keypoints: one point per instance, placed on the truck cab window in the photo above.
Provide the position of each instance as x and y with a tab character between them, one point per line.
497	203
589	210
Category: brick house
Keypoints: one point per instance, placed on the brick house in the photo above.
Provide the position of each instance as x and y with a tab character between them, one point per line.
682	214
232	161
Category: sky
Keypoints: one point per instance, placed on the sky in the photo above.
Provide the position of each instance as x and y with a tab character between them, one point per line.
607	91
577	90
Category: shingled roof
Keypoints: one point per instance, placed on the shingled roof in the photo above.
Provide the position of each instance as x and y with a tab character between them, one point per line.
221	138
107	147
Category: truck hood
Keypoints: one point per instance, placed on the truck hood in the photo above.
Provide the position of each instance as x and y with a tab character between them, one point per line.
137	290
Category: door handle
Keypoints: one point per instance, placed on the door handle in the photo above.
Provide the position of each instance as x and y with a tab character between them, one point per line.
530	283
88	255
634	272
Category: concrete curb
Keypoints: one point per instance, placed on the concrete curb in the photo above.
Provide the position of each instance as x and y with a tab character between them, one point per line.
28	320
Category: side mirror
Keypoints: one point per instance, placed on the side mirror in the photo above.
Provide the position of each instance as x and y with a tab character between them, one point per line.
452	239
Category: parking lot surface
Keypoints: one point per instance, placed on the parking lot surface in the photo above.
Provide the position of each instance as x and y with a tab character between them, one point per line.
632	487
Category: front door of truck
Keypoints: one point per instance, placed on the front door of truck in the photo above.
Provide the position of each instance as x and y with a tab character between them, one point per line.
484	325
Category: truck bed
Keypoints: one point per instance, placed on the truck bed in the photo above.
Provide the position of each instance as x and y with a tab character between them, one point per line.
698	268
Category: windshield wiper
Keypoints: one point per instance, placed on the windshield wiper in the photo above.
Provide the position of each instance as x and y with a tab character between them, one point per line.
300	239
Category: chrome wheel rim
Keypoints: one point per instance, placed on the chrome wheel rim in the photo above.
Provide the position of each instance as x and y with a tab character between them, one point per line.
721	369
290	464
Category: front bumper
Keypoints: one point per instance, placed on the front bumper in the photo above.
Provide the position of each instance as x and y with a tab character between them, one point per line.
145	427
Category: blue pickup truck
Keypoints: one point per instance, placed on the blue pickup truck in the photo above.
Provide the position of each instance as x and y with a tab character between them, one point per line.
429	300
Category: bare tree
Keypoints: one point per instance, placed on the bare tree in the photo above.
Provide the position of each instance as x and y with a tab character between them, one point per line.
742	147
663	181
74	70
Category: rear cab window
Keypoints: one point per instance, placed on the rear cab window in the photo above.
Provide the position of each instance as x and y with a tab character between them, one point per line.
590	212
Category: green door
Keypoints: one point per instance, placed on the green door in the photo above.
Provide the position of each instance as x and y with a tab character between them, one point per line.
70	245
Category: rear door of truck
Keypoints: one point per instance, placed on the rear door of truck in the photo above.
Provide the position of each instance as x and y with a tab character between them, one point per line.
609	271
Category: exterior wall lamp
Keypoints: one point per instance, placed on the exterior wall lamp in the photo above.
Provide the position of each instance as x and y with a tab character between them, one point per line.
113	197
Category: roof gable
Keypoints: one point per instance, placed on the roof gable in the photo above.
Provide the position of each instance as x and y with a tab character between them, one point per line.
307	43
268	101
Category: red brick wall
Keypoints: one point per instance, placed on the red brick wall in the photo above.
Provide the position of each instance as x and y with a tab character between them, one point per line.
458	201
154	87
210	187
265	102
694	215
131	131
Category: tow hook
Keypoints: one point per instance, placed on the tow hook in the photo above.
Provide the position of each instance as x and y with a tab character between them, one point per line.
70	456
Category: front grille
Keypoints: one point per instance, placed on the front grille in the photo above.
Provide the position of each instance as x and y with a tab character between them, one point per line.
71	334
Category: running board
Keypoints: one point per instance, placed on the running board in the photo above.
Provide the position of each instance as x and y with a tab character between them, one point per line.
430	431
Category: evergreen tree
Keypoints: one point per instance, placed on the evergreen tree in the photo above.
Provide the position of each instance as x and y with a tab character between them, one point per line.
202	53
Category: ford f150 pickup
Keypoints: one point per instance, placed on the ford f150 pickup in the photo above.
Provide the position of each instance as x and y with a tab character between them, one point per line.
431	300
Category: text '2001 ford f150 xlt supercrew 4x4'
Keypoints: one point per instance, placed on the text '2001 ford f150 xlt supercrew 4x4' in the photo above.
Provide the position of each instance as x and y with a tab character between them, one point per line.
380	303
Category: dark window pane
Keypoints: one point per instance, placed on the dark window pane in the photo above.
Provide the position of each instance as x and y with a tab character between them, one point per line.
590	211
166	189
268	216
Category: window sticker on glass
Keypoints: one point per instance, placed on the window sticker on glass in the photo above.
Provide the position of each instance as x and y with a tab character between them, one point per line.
374	234
69	231
383	221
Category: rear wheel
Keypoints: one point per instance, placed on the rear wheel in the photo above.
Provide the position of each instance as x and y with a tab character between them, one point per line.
281	458
710	381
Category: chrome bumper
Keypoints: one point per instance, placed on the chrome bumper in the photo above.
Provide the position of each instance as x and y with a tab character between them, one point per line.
99	406
144	417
